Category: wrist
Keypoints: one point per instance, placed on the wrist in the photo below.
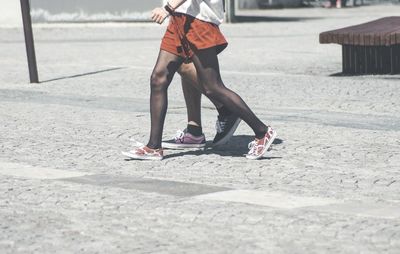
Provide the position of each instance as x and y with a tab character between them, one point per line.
168	9
170	6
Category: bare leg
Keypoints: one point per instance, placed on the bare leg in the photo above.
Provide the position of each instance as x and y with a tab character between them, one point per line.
166	66
207	67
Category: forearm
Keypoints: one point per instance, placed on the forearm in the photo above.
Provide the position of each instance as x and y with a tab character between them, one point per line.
175	3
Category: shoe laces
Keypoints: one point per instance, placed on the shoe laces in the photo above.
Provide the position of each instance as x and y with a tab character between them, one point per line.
220	126
253	147
179	135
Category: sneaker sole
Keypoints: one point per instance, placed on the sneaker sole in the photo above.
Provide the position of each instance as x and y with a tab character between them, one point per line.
267	146
182	146
134	156
228	136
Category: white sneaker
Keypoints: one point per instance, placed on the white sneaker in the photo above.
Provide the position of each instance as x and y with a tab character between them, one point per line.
259	147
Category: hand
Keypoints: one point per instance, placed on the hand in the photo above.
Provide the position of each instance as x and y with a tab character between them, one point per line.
159	15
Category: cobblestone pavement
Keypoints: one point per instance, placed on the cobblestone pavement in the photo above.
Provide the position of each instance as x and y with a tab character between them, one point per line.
330	185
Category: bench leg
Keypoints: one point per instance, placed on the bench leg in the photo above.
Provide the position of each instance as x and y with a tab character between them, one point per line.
386	60
356	57
395	59
359	60
345	62
348	60
369	60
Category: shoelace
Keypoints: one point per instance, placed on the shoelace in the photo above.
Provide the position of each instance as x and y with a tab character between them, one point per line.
179	135
220	126
253	147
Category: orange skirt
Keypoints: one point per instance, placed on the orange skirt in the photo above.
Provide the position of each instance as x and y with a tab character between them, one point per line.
186	34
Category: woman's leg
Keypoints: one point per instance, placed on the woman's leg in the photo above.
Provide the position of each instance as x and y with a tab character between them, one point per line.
226	123
207	67
191	93
166	66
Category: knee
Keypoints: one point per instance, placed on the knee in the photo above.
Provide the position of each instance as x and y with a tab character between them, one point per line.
187	70
158	81
212	92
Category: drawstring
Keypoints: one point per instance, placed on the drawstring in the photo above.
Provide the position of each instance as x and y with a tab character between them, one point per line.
183	40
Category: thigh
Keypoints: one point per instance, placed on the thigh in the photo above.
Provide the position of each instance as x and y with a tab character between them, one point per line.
207	67
188	71
167	64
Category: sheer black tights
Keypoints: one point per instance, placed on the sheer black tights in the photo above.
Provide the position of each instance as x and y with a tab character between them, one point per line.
207	67
166	66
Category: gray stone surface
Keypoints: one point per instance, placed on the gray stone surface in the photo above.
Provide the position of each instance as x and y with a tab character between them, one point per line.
164	187
338	139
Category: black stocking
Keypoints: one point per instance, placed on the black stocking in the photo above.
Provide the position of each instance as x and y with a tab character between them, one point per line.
207	68
164	70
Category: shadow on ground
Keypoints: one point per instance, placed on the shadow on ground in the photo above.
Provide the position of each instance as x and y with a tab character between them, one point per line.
375	75
236	147
83	74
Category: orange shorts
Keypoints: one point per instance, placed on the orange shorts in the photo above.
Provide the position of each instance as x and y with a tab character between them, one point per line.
186	34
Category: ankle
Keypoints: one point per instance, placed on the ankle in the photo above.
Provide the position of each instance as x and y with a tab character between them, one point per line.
223	111
194	123
261	133
194	130
153	146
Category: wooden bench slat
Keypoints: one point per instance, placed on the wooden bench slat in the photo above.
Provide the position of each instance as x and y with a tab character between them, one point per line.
361	30
391	40
385	38
354	33
380	30
340	38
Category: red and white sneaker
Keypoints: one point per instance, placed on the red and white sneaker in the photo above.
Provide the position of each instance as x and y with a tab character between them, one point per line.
259	147
145	153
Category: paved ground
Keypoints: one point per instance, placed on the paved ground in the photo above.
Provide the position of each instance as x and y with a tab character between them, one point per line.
330	185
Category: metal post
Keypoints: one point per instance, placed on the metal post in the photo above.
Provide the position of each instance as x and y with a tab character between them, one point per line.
230	11
29	43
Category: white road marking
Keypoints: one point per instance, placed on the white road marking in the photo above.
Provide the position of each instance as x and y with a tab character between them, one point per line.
270	199
279	200
32	172
376	210
276	200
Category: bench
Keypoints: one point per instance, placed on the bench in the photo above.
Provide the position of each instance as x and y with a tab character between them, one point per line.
368	48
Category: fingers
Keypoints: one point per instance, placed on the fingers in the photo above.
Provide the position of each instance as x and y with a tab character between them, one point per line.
156	18
159	19
153	14
158	15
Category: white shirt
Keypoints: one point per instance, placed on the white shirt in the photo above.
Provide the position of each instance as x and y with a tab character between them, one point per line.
206	10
